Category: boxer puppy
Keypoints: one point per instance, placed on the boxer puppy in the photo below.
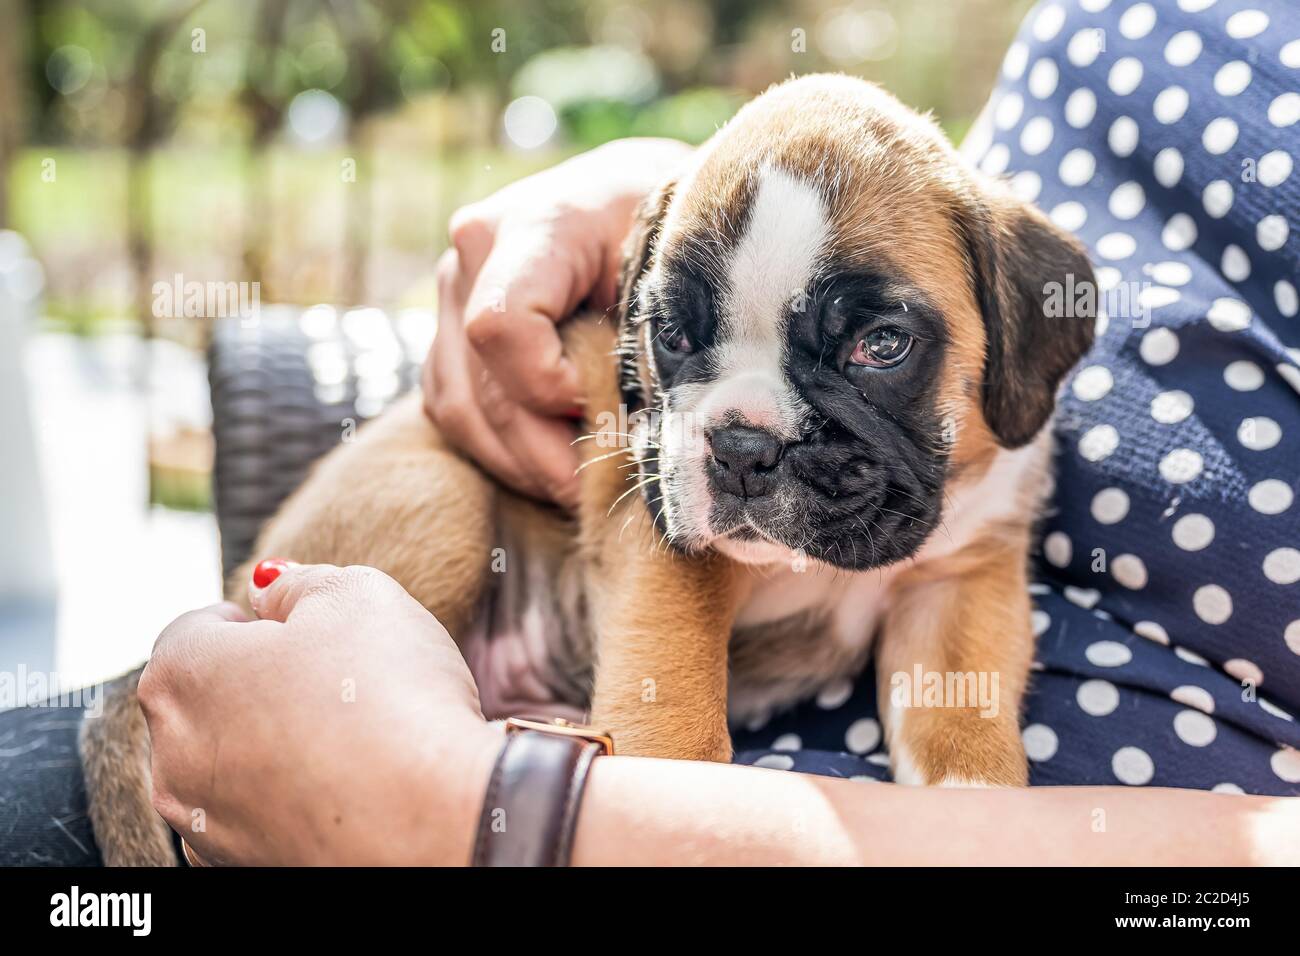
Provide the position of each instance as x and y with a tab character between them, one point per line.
823	434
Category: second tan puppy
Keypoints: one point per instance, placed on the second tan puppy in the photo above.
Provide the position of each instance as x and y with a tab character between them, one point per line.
827	437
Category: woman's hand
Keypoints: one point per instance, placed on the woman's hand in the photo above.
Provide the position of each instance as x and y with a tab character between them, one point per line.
343	727
497	382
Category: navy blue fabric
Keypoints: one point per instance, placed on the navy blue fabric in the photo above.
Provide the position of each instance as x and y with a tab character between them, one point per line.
1168	596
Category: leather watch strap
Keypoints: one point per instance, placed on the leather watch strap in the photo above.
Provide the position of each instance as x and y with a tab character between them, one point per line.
531	806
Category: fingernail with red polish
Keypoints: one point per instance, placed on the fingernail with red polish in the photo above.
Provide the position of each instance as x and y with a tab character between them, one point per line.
267	571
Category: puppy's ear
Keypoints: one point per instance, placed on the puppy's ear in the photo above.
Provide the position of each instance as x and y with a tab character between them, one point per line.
1036	290
638	249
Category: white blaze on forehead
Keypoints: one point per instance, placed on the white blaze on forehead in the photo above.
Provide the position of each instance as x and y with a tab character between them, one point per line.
786	228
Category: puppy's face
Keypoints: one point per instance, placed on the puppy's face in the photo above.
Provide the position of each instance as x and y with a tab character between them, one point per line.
829	320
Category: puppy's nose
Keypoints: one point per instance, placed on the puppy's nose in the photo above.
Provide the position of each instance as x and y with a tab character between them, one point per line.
743	459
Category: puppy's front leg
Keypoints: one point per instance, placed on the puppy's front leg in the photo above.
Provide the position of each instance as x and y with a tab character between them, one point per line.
662	624
952	663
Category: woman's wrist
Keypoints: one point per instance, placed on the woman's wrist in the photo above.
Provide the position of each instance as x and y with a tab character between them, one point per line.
453	781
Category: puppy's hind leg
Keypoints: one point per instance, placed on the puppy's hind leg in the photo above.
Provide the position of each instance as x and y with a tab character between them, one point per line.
115	761
396	498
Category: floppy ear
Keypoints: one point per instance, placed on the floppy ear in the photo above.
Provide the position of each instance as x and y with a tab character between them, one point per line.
638	249
1036	290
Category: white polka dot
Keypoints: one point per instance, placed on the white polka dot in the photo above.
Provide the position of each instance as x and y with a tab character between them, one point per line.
1077	167
1194	728
1179	232
1286	764
1284	294
1127	200
1168	167
1094	6
1232	78
1271	496
1181	465
1043	78
1246	24
1036	136
1259	433
1123	136
1220	135
1189	695
1217	198
1245	671
1057	548
1125	76
1039	622
1172	407
1271	233
1108	654
1129	571
1137	21
1083	597
1282	566
1285	110
1290	55
1085	46
1092	383
787	742
1170	272
1274	167
775	761
1183	48
1108	277
1235	264
1014	63
1157	297
1170	105
1228	315
1212	604
862	736
996	159
1116	245
1080	107
1243	376
1070	215
1159	346
1227	788
1151	631
1008	111
1133	766
1292	637
1191	657
1109	506
835	694
1026	185
1193	532
1049	21
1098	442
1195	6
1040	742
1097	698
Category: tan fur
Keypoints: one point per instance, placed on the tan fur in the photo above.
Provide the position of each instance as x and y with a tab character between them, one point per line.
115	760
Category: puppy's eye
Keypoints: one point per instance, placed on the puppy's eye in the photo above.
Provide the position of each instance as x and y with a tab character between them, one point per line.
882	348
673	339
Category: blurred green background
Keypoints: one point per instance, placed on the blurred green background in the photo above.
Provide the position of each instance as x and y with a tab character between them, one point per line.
318	146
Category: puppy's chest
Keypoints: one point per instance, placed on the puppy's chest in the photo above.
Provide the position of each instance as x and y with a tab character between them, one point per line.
798	631
795	633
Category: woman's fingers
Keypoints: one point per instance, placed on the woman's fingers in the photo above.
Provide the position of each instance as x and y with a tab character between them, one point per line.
530	281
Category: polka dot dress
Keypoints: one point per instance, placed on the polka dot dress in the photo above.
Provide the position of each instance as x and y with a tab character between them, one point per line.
1165	134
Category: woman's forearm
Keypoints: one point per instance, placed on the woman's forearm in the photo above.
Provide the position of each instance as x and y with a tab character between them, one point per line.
657	812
